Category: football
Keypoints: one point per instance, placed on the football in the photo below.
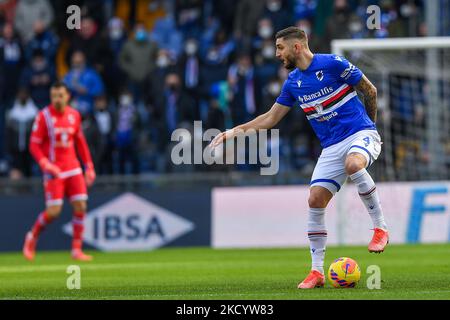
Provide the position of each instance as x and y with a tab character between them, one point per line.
344	273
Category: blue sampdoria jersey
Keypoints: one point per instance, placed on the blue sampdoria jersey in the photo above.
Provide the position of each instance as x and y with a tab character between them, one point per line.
325	93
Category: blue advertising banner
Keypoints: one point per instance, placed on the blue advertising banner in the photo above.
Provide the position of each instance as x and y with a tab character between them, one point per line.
115	222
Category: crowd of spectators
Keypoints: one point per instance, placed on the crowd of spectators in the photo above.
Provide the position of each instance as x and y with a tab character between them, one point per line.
139	69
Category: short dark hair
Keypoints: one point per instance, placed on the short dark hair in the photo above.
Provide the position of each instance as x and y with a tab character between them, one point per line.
59	84
292	33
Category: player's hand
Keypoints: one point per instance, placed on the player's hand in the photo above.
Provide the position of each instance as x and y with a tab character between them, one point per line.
48	167
90	175
221	137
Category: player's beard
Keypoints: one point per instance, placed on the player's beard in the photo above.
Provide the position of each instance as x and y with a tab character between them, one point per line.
290	62
59	106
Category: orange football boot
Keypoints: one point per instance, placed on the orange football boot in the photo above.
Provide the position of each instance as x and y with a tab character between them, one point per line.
379	240
79	255
315	279
29	247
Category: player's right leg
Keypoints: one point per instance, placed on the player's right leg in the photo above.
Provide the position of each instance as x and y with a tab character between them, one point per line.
327	178
317	235
54	194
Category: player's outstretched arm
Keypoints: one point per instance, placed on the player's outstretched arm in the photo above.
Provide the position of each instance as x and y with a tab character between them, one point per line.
265	121
369	91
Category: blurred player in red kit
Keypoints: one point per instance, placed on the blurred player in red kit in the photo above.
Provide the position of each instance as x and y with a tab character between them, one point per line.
56	138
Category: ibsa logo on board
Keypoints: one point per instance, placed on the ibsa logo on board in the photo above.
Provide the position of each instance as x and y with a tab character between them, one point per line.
129	222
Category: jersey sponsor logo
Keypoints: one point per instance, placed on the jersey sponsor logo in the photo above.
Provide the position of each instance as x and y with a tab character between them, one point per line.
319	75
322	92
327	117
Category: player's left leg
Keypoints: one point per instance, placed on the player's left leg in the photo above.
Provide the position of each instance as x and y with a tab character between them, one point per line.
77	193
362	153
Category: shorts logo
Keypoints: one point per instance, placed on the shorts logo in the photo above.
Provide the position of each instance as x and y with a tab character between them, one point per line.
319	75
366	141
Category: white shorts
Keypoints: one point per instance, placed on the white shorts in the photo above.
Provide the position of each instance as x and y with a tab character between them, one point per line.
330	168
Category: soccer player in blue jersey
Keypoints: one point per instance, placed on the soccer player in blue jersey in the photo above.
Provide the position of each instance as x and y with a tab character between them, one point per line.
324	86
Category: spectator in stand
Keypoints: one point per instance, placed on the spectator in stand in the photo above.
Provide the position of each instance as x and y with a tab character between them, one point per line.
189	17
266	63
173	107
83	82
243	88
105	121
278	14
166	35
30	11
313	41
7	11
92	134
127	133
248	12
37	77
19	122
137	60
164	65
11	60
113	75
189	66
265	32
44	40
304	9
224	11
218	55
95	47
337	25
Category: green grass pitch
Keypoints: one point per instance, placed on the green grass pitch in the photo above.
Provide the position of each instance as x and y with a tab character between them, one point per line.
407	271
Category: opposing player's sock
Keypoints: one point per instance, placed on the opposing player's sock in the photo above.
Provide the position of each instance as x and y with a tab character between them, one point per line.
41	222
317	235
369	196
77	242
78	229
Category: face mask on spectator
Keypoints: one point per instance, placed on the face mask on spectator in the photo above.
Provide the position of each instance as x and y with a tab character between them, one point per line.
162	61
268	52
173	87
307	29
355	26
115	33
39	64
265	32
274	88
274	6
78	66
406	10
125	100
191	48
141	35
213	55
